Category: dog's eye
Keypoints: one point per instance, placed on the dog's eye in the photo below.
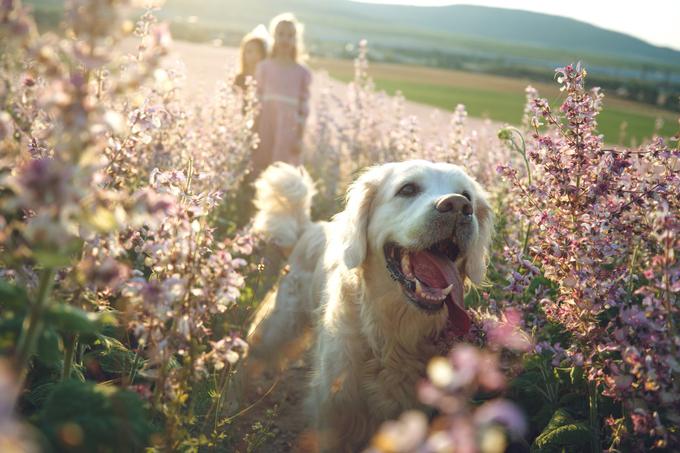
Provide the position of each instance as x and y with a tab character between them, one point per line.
408	190
467	195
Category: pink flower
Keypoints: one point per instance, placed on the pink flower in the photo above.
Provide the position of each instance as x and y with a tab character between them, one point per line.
502	412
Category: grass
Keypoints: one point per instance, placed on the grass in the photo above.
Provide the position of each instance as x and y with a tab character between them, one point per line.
500	98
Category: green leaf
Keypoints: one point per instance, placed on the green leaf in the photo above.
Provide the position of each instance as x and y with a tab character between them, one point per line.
542	417
107	342
577	376
48	347
13	297
10	327
537	282
51	259
562	432
106	418
575	402
527	382
115	361
67	318
562	375
40	393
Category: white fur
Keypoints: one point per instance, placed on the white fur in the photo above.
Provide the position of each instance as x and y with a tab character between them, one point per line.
371	345
283	198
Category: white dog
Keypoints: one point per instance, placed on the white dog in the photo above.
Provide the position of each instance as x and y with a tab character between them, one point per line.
376	285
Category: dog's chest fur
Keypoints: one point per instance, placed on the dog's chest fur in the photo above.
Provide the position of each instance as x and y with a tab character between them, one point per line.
397	342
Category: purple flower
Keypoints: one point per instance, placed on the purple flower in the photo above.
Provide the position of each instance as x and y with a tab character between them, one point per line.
502	412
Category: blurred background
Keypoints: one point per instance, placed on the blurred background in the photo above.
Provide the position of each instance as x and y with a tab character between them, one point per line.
443	53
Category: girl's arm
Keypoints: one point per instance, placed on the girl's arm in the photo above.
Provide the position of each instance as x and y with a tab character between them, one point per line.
303	111
259	85
239	81
259	79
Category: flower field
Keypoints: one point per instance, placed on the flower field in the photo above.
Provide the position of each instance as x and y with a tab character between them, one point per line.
128	273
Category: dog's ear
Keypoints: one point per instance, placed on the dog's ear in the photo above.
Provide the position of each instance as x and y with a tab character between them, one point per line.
478	258
357	214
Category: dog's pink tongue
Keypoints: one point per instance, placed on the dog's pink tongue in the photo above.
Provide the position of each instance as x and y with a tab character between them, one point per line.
440	272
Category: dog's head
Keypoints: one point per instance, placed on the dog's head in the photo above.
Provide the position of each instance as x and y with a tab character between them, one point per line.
429	225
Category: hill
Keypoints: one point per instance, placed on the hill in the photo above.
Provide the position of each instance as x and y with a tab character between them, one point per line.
476	34
523	28
498	41
484	32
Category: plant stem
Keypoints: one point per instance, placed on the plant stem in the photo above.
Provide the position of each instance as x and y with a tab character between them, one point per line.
668	305
160	386
522	150
578	172
133	369
631	269
216	403
527	234
32	327
71	341
595	445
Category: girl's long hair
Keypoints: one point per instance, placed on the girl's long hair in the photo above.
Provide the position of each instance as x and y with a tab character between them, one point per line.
299	54
244	42
258	34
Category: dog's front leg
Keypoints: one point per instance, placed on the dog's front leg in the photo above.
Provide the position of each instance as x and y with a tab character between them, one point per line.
335	402
282	326
339	421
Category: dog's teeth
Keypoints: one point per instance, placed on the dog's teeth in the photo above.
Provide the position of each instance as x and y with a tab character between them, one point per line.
406	265
433	294
446	291
419	289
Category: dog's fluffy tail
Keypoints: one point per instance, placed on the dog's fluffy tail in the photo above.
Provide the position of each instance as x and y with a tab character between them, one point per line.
283	200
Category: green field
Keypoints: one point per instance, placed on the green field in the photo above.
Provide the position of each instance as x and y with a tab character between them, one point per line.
500	99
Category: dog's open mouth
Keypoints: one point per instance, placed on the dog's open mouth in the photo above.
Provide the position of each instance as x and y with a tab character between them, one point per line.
430	278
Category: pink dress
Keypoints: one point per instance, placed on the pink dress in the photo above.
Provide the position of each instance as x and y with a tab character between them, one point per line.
283	90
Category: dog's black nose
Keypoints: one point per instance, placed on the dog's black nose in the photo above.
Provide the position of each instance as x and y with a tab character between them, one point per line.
454	203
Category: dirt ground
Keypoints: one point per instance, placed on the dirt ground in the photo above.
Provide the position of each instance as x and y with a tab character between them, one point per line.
274	419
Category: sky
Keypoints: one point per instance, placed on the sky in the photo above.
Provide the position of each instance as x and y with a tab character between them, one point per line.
654	21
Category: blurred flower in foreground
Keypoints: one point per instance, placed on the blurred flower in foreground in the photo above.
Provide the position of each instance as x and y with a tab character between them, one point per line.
15	437
451	385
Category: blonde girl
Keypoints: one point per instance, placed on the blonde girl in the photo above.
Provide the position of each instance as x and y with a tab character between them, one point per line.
283	90
253	50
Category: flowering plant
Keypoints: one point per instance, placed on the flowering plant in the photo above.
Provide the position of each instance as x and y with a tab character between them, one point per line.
125	275
112	271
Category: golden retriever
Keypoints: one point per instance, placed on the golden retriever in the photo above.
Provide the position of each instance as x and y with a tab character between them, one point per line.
376	286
